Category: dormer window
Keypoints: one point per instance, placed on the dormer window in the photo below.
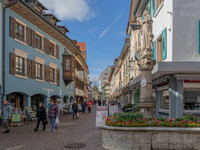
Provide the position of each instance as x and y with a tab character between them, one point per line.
39	11
53	22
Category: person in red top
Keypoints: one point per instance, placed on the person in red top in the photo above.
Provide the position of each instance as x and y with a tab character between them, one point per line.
89	106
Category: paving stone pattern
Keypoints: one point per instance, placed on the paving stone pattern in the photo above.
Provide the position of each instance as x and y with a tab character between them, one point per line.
69	131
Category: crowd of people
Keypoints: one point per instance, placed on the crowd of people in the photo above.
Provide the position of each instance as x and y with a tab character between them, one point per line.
43	116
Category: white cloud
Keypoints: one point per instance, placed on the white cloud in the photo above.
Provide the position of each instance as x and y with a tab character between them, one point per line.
106	30
70	9
94	78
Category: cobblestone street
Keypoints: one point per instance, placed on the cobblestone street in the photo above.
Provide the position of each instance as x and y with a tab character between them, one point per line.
69	131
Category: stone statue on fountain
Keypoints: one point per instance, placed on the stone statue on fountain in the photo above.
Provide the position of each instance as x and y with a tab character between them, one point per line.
146	65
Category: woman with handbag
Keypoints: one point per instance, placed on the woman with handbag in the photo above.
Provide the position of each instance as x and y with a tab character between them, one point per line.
41	116
53	113
89	106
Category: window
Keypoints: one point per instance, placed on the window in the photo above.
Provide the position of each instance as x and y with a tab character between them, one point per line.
51	49
191	99
38	10
52	74
19	31
20	66
38	41
164	99
53	22
67	64
159	2
39	70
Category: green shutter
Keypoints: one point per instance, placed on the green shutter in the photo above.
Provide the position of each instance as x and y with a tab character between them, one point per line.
153	7
142	17
199	37
164	44
154	50
149	7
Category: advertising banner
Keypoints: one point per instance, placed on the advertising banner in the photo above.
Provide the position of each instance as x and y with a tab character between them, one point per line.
101	114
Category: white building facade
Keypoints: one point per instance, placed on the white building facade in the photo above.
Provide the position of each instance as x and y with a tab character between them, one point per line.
176	50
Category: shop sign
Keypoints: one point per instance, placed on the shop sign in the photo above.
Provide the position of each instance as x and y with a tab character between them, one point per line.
16	115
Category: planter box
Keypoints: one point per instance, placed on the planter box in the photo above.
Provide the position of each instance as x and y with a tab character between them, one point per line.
150	138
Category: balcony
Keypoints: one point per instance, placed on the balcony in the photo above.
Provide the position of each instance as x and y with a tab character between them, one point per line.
68	68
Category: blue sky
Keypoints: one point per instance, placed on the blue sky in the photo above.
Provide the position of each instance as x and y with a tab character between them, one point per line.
100	23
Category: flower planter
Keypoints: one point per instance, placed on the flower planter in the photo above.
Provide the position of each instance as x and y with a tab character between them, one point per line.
150	138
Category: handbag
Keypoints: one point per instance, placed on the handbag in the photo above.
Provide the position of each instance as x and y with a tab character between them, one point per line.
57	120
45	122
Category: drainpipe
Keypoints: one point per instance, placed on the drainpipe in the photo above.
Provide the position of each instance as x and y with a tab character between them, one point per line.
4	42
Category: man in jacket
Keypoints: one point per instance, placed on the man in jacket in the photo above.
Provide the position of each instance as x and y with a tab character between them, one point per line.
6	115
75	109
83	104
53	113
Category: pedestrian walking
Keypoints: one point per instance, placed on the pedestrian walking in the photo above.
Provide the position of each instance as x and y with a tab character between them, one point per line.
6	115
53	114
83	104
75	109
99	102
89	106
41	116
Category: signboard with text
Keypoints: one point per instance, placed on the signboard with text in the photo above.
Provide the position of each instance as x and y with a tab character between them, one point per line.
113	109
101	114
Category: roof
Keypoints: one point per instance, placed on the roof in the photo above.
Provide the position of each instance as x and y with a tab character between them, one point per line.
41	5
127	43
52	15
82	46
64	28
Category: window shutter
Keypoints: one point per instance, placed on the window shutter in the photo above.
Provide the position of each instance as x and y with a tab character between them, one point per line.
199	37
46	45
46	73
154	50
149	7
28	36
58	76
142	17
164	44
33	67
33	39
12	63
29	70
12	27
153	5
72	65
57	51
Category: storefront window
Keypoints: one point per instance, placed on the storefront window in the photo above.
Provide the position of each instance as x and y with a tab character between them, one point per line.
191	99
164	99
